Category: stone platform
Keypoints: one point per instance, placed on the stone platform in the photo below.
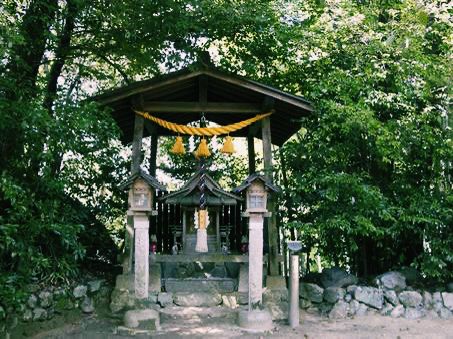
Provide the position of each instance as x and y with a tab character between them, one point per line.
200	284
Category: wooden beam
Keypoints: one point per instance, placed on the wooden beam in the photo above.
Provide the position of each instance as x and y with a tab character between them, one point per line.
153	155
267	148
251	153
263	89
137	143
203	90
197	107
272	231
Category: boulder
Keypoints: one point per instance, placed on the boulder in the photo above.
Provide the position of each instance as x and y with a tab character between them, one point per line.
447	299
391	297
279	311
313	278
280	295
445	313
387	309
347	297
414	313
311	292
304	303
198	299
353	307
333	294
411	298
392	281
324	309
32	301
339	310
362	310
79	291
336	277
350	289
45	299
427	300
147	319
437	301
230	301
370	296
94	285
87	306
120	300
165	299
39	314
397	312
431	314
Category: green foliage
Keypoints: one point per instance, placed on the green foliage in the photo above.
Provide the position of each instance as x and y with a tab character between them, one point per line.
227	169
370	178
367	182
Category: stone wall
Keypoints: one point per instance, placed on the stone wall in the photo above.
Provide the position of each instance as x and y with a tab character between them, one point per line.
337	294
44	303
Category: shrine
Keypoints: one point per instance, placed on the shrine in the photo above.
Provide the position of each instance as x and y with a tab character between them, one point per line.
202	237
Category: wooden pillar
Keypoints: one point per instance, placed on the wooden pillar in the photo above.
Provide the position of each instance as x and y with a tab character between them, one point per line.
153	155
272	231
217	225
251	153
184	231
137	143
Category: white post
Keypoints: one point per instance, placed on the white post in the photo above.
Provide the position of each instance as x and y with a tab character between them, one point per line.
294	291
141	226
256	221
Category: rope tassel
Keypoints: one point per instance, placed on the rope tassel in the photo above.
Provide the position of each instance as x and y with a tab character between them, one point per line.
178	147
203	150
228	146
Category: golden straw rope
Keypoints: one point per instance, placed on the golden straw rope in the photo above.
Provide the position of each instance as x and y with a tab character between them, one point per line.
203	131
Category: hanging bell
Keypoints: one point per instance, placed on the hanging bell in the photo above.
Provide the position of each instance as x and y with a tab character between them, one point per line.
178	147
228	146
203	150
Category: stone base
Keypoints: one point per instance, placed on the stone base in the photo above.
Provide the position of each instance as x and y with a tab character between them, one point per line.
275	282
215	285
147	319
255	321
155	278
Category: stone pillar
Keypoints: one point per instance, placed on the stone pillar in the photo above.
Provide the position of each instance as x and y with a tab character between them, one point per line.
141	226
294	291
256	221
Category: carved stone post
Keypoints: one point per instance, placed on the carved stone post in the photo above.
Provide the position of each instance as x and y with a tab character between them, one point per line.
141	226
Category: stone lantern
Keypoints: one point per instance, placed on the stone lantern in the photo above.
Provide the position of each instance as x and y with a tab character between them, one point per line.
256	197
141	194
256	188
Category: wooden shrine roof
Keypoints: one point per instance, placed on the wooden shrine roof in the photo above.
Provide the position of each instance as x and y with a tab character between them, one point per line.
181	96
189	194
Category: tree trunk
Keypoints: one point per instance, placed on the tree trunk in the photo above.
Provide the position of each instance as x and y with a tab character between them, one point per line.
22	74
61	55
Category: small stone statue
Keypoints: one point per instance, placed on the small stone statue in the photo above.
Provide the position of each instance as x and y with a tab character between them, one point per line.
175	249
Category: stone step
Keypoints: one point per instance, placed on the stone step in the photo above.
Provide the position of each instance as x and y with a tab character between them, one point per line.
198	315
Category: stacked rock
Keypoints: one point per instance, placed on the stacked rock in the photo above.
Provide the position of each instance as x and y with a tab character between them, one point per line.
337	295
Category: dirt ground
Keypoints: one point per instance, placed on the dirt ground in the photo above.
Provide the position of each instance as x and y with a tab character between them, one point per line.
312	326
